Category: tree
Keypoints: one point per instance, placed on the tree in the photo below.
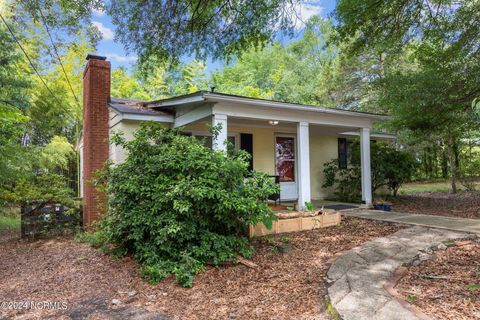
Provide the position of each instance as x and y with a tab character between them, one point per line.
13	102
163	81
39	113
429	97
59	113
431	102
295	72
170	30
125	86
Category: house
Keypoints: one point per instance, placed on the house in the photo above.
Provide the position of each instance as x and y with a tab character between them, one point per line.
288	140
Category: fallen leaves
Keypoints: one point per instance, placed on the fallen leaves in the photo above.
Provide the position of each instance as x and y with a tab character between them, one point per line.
286	285
444	287
464	204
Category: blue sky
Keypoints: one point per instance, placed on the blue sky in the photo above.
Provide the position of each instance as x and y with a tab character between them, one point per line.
115	52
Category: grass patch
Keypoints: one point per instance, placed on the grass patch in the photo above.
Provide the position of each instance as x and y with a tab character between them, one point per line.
473	287
95	239
411	298
9	222
330	310
410	188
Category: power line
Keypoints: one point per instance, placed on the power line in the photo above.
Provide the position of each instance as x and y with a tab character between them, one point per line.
58	56
29	60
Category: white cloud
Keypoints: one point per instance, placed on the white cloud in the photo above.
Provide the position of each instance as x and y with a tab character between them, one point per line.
98	12
106	32
119	58
305	10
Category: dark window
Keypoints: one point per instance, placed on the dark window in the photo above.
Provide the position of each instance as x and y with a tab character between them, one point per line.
246	143
342	153
349	152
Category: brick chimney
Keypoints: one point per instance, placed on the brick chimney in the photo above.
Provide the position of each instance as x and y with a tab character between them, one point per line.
96	94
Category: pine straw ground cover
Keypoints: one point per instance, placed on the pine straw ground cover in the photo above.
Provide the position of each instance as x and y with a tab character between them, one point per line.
464	204
286	285
447	286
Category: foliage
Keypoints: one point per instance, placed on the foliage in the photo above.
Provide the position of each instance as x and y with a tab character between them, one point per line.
346	182
59	114
279	72
96	239
9	222
41	180
177	205
160	81
56	154
473	287
63	17
42	189
38	125
390	168
431	88
168	30
309	206
13	102
125	86
392	23
398	167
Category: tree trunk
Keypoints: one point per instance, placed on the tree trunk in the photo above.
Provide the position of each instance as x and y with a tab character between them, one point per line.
444	163
435	161
453	166
381	62
456	151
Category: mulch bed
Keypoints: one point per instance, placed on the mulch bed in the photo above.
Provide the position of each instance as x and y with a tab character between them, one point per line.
286	285
464	204
448	285
9	235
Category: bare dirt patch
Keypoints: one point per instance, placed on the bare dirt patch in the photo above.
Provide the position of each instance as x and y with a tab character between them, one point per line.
448	285
286	285
464	204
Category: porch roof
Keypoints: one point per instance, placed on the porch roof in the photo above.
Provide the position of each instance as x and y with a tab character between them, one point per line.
201	97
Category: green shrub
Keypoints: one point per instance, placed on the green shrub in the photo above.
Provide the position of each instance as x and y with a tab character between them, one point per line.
390	168
176	205
346	182
96	239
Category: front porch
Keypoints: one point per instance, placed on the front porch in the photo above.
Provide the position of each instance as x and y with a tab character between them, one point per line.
294	152
288	140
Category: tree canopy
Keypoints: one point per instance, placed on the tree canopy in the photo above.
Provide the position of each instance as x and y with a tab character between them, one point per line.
435	52
169	30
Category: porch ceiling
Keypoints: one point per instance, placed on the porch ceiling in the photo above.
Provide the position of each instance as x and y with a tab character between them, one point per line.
283	125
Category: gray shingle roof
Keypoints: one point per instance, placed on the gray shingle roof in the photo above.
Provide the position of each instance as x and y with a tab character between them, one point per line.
134	107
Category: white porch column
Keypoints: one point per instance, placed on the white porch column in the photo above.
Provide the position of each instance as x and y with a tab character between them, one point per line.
303	164
219	142
365	165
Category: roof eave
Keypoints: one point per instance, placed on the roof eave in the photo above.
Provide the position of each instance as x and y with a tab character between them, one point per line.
289	106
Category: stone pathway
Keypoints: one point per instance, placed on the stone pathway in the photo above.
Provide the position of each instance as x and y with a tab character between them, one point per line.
449	223
360	275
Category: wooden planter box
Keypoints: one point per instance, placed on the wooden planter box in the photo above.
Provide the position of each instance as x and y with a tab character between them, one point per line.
296	224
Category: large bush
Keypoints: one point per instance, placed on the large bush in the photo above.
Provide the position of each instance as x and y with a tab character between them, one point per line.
390	168
176	205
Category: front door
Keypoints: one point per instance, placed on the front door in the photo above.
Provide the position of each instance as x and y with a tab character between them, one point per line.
285	167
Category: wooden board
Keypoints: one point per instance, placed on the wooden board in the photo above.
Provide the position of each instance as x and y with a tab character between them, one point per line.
296	224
